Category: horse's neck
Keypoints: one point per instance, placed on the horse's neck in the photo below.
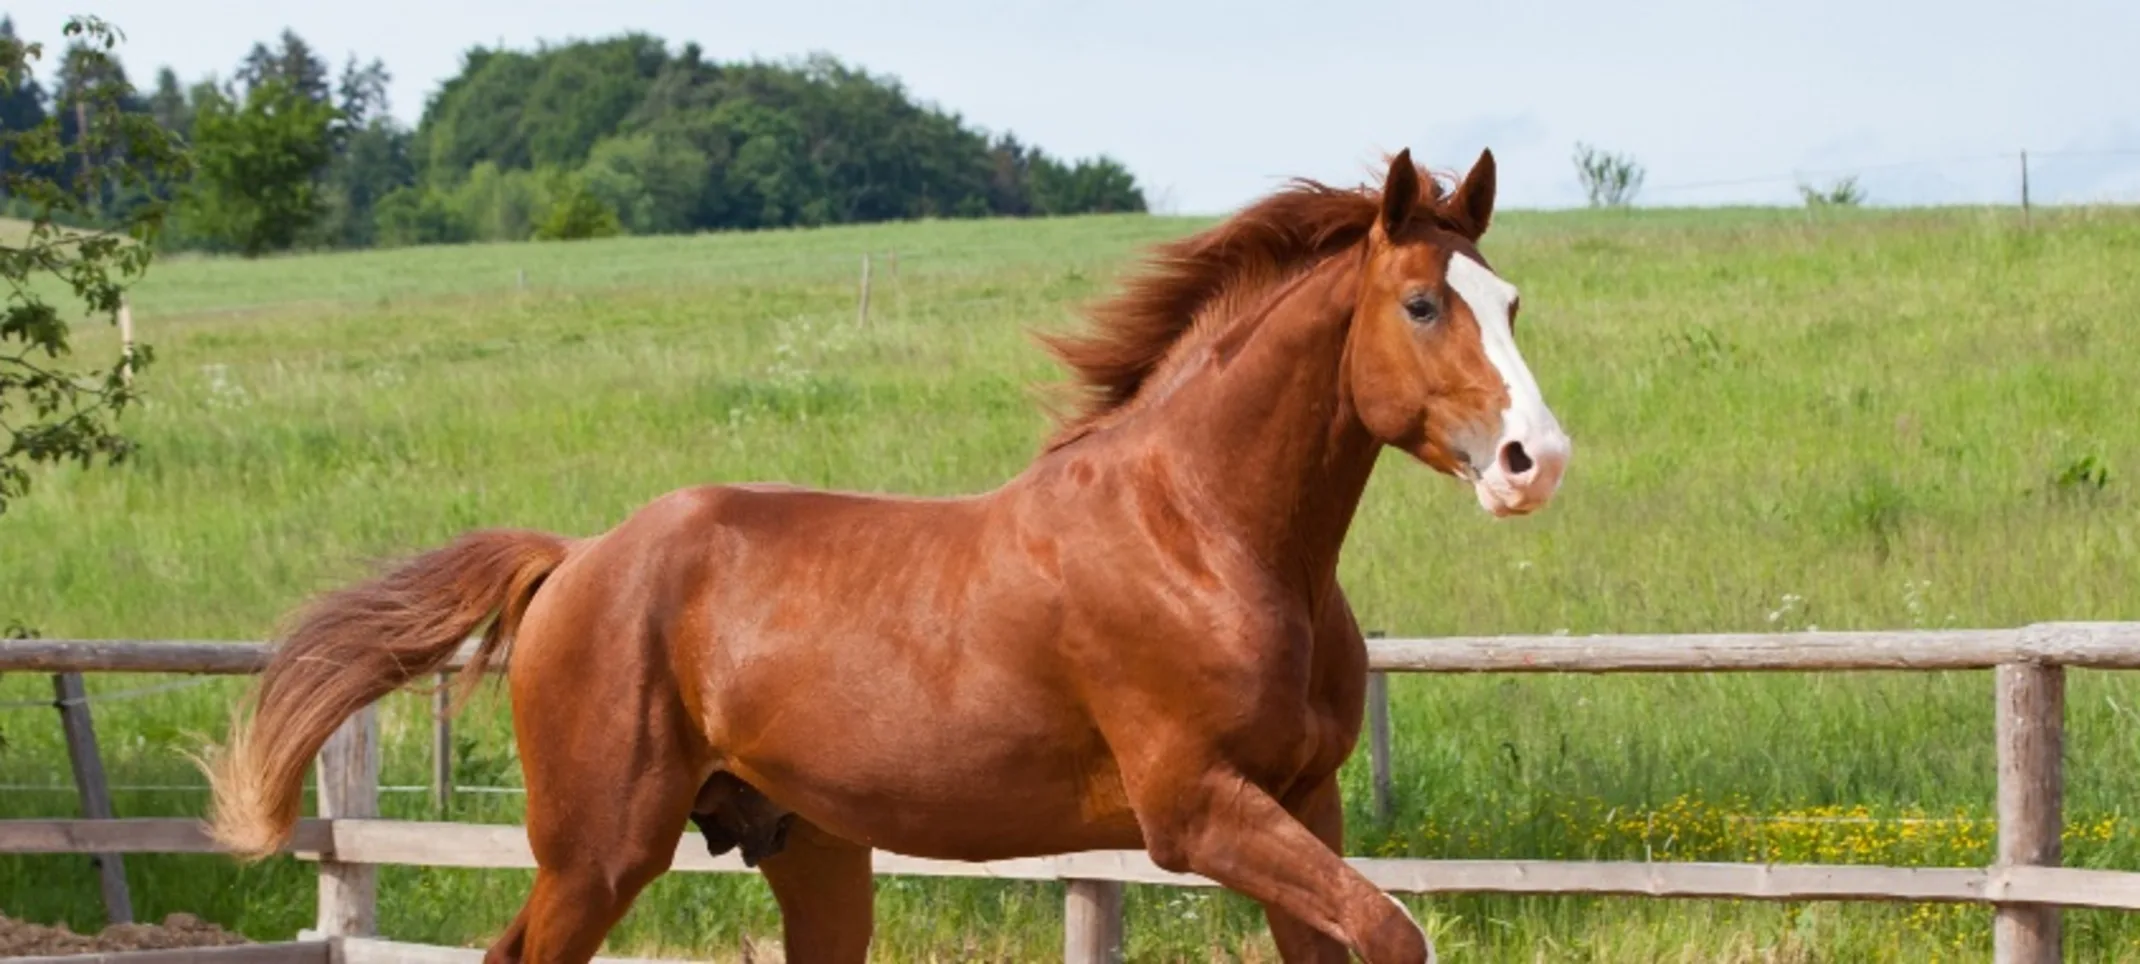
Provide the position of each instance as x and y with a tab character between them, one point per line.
1264	434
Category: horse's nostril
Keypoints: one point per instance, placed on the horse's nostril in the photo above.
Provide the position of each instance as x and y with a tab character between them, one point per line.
1515	459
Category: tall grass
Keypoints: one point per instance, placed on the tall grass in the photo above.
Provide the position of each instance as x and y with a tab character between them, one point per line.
1856	419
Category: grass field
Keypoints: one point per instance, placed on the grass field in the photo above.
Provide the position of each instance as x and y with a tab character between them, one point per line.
1865	419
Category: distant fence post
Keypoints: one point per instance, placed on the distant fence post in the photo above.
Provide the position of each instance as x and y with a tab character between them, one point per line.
349	787
2024	188
88	764
1092	922
1378	739
126	340
2031	734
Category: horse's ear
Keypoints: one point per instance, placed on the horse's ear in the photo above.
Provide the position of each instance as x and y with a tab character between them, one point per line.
1400	193
1471	205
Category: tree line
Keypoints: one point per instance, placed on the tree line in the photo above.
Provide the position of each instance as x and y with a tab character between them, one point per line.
581	139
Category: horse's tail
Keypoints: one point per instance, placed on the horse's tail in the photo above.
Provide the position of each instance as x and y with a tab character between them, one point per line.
353	646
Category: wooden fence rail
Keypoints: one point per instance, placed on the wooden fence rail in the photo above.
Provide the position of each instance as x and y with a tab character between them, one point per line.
2079	645
2026	884
504	847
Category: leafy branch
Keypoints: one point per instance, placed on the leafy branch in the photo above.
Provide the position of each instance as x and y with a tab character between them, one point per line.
95	221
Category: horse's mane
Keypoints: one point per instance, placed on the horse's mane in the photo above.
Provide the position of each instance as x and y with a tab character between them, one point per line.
1135	334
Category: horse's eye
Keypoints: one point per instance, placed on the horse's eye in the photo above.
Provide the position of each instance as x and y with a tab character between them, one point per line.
1421	308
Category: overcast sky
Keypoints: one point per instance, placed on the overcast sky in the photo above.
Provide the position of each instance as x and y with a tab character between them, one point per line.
1212	103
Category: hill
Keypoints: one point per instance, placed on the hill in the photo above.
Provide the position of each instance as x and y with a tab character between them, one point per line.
586	138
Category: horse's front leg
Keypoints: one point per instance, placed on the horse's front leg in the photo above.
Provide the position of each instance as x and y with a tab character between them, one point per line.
1338	698
1321	809
1202	816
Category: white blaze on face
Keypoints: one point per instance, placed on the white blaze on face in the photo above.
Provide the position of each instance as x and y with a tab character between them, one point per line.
1525	465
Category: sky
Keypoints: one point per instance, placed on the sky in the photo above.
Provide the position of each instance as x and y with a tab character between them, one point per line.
1211	104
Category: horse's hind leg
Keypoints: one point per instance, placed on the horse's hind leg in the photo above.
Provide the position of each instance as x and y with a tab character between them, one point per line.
612	763
826	896
602	827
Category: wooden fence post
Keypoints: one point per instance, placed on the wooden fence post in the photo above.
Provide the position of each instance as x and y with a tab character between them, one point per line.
1378	739
126	340
2024	188
2031	733
349	787
73	701
1092	922
442	746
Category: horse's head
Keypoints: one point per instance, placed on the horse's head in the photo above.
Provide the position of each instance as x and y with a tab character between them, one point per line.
1432	363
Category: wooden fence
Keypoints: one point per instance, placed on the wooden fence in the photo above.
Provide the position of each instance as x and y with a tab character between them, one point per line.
2026	884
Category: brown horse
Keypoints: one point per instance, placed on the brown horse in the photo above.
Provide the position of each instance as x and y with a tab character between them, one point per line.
1137	642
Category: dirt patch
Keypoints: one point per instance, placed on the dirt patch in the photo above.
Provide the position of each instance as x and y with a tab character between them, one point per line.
24	939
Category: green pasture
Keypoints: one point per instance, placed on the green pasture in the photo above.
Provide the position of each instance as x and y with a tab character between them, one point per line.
1851	419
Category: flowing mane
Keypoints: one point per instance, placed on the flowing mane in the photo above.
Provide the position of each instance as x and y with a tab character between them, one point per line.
1140	331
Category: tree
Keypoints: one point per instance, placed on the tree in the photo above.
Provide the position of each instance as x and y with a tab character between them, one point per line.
653	182
1842	194
1609	180
418	215
371	155
582	99
1009	179
545	109
168	104
22	107
576	213
22	101
496	204
84	72
373	162
292	63
362	92
258	187
51	412
1093	186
